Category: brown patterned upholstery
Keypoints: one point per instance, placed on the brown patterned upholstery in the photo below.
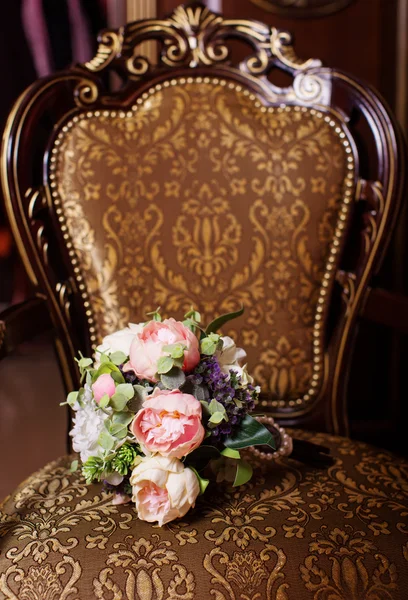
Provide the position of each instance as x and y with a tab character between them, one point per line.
294	533
200	197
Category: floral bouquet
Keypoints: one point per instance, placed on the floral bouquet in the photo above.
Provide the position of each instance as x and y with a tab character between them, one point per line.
164	408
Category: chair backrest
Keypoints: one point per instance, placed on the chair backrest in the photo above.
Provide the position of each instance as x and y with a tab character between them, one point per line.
200	182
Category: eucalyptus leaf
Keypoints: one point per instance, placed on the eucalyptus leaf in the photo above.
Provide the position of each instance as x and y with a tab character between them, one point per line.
106	440
222	319
74	466
216	418
126	389
104	401
118	401
250	433
140	393
216	406
208	346
118	430
243	474
84	362
175	350
72	398
174	379
194	315
164	364
118	358
123	418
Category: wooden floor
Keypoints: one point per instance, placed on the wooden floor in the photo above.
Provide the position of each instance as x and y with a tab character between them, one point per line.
32	424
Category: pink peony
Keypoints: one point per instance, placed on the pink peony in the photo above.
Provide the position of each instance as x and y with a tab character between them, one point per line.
163	489
147	347
169	423
103	385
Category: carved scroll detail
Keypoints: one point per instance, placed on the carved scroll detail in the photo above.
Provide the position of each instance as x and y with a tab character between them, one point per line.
371	192
347	281
193	36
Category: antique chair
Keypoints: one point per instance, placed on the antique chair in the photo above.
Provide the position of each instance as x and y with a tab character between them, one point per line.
199	182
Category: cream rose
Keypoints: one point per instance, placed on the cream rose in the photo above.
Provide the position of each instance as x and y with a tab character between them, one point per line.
120	341
163	489
231	358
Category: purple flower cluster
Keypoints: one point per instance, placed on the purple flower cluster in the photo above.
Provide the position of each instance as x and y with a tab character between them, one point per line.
228	391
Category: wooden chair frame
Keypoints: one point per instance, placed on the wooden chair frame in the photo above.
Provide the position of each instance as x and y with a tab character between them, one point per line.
195	42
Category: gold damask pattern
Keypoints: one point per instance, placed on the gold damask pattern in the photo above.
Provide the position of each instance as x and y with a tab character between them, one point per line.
292	532
201	196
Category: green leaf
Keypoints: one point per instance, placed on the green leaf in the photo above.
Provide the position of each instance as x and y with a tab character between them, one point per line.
174	379
164	364
118	430
84	362
250	433
124	418
72	398
117	377
209	344
118	401
205	408
175	350
104	401
221	320
135	404
216	406
126	389
203	483
74	466
104	358
216	418
193	315
118	358
106	440
243	474
106	367
155	315
201	456
199	391
230	453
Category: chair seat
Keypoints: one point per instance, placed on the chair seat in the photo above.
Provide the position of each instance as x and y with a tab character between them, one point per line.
293	532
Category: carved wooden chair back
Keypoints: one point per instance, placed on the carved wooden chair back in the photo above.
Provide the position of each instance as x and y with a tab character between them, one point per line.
200	182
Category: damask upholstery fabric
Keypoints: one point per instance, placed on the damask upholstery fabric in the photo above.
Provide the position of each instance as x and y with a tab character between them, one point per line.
201	196
292	533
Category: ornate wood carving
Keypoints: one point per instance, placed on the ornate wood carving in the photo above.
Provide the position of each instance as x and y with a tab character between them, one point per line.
192	37
302	8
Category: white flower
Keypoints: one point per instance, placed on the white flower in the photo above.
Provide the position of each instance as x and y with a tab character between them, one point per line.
231	358
88	423
163	489
120	341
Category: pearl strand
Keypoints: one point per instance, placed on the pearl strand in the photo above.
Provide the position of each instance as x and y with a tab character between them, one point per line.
286	445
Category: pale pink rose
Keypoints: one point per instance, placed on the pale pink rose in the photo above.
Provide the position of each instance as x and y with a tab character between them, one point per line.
169	423
163	489
103	385
147	347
